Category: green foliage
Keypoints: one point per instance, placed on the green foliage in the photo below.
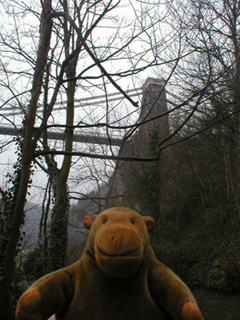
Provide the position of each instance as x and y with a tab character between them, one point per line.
58	233
205	252
34	264
8	203
224	274
6	218
148	181
8	199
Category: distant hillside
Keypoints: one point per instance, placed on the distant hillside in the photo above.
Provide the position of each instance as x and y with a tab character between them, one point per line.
31	225
30	230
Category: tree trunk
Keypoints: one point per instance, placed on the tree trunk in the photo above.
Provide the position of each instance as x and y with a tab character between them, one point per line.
59	220
27	157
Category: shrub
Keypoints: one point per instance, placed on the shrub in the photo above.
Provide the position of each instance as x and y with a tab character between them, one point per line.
224	275
33	265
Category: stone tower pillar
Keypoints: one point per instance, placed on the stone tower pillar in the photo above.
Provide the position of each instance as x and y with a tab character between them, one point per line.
153	114
154	106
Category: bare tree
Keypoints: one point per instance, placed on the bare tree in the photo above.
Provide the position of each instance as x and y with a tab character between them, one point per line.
211	30
28	147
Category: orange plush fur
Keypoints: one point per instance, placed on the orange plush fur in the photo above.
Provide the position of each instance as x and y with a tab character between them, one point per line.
118	277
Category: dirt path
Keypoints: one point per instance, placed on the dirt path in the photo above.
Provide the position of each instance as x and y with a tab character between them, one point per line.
216	306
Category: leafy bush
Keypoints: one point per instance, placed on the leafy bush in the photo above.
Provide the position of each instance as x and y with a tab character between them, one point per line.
34	265
205	254
224	275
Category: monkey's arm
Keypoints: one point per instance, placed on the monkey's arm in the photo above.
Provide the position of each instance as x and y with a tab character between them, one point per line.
49	295
172	294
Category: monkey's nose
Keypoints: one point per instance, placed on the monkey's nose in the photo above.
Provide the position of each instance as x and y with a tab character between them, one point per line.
117	240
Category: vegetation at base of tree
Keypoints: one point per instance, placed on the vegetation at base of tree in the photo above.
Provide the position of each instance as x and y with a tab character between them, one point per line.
58	233
34	265
147	184
203	253
8	203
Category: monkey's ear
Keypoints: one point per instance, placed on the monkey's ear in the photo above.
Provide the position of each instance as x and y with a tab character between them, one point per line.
149	222
88	220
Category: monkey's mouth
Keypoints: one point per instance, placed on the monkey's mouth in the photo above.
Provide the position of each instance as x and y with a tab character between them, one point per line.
124	254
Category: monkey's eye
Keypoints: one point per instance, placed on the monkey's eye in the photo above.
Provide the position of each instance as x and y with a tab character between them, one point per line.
105	220
132	221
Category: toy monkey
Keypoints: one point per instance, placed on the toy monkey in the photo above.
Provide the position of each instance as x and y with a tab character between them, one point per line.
117	278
